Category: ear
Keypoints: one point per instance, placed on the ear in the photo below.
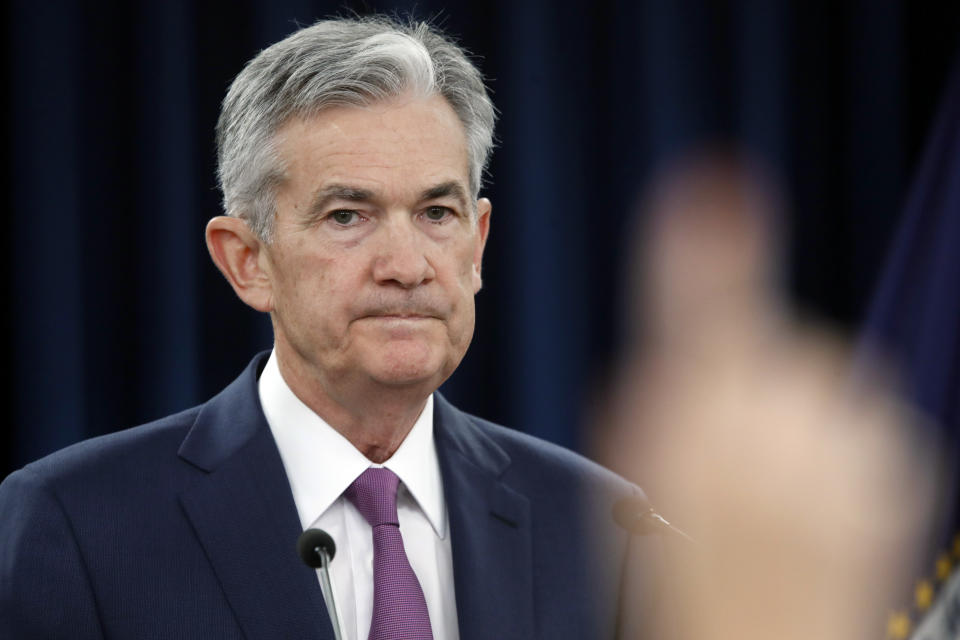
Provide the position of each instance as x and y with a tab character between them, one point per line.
240	256
483	229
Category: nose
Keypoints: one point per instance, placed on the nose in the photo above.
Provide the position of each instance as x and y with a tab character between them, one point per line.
402	255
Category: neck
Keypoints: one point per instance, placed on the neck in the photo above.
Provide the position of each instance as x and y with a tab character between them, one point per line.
374	418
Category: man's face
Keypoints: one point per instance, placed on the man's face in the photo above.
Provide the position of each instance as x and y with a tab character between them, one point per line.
375	259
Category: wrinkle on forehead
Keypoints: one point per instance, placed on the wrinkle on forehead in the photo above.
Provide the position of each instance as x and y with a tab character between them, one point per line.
388	146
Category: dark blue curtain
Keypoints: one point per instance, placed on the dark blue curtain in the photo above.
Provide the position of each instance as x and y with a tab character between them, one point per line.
117	315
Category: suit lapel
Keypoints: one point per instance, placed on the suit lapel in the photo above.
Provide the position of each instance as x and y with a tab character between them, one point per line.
244	516
490	528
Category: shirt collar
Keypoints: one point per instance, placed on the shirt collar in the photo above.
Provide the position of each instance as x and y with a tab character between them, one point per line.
321	463
415	463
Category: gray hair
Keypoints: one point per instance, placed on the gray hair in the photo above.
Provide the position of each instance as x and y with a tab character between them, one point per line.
341	62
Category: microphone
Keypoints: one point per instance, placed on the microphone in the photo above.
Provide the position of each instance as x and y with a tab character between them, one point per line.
637	516
316	549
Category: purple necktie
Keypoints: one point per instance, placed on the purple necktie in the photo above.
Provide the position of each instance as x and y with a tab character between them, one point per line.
399	608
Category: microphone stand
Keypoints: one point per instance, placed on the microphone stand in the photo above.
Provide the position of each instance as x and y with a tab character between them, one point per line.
327	589
316	549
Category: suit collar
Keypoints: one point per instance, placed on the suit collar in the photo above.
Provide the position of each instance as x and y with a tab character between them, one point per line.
490	525
243	514
227	421
457	433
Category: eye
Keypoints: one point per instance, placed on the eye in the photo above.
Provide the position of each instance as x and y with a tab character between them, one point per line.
344	217
437	214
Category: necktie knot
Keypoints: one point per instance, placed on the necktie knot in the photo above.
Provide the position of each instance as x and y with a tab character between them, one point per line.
374	494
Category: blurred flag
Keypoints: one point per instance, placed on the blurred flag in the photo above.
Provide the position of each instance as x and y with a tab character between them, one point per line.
915	318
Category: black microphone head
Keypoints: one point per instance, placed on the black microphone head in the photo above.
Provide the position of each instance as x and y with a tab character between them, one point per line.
311	542
629	513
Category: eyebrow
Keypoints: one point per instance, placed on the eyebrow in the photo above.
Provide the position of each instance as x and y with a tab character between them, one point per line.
444	190
340	192
334	192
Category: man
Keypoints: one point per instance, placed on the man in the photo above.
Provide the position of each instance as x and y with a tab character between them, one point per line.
350	158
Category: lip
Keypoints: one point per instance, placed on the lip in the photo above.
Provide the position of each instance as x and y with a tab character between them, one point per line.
400	316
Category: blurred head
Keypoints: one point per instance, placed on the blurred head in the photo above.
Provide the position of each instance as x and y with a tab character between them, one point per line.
337	63
711	242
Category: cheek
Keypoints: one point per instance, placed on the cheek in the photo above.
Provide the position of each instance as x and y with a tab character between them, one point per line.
465	288
308	285
461	264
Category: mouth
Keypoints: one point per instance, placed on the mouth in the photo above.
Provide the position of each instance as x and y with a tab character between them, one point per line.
399	318
401	315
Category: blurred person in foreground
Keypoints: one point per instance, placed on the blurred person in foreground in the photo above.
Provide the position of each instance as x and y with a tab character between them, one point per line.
350	159
804	490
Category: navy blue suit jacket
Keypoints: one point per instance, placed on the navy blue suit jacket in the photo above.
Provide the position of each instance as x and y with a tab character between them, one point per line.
186	528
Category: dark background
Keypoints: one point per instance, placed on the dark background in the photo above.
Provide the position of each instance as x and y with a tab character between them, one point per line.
117	316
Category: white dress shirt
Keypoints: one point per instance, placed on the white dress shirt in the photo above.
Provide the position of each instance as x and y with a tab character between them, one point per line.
320	465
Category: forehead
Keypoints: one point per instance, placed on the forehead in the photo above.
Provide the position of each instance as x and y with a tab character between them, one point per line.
405	144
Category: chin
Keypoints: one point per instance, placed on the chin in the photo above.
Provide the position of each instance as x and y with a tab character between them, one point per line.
411	367
410	378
